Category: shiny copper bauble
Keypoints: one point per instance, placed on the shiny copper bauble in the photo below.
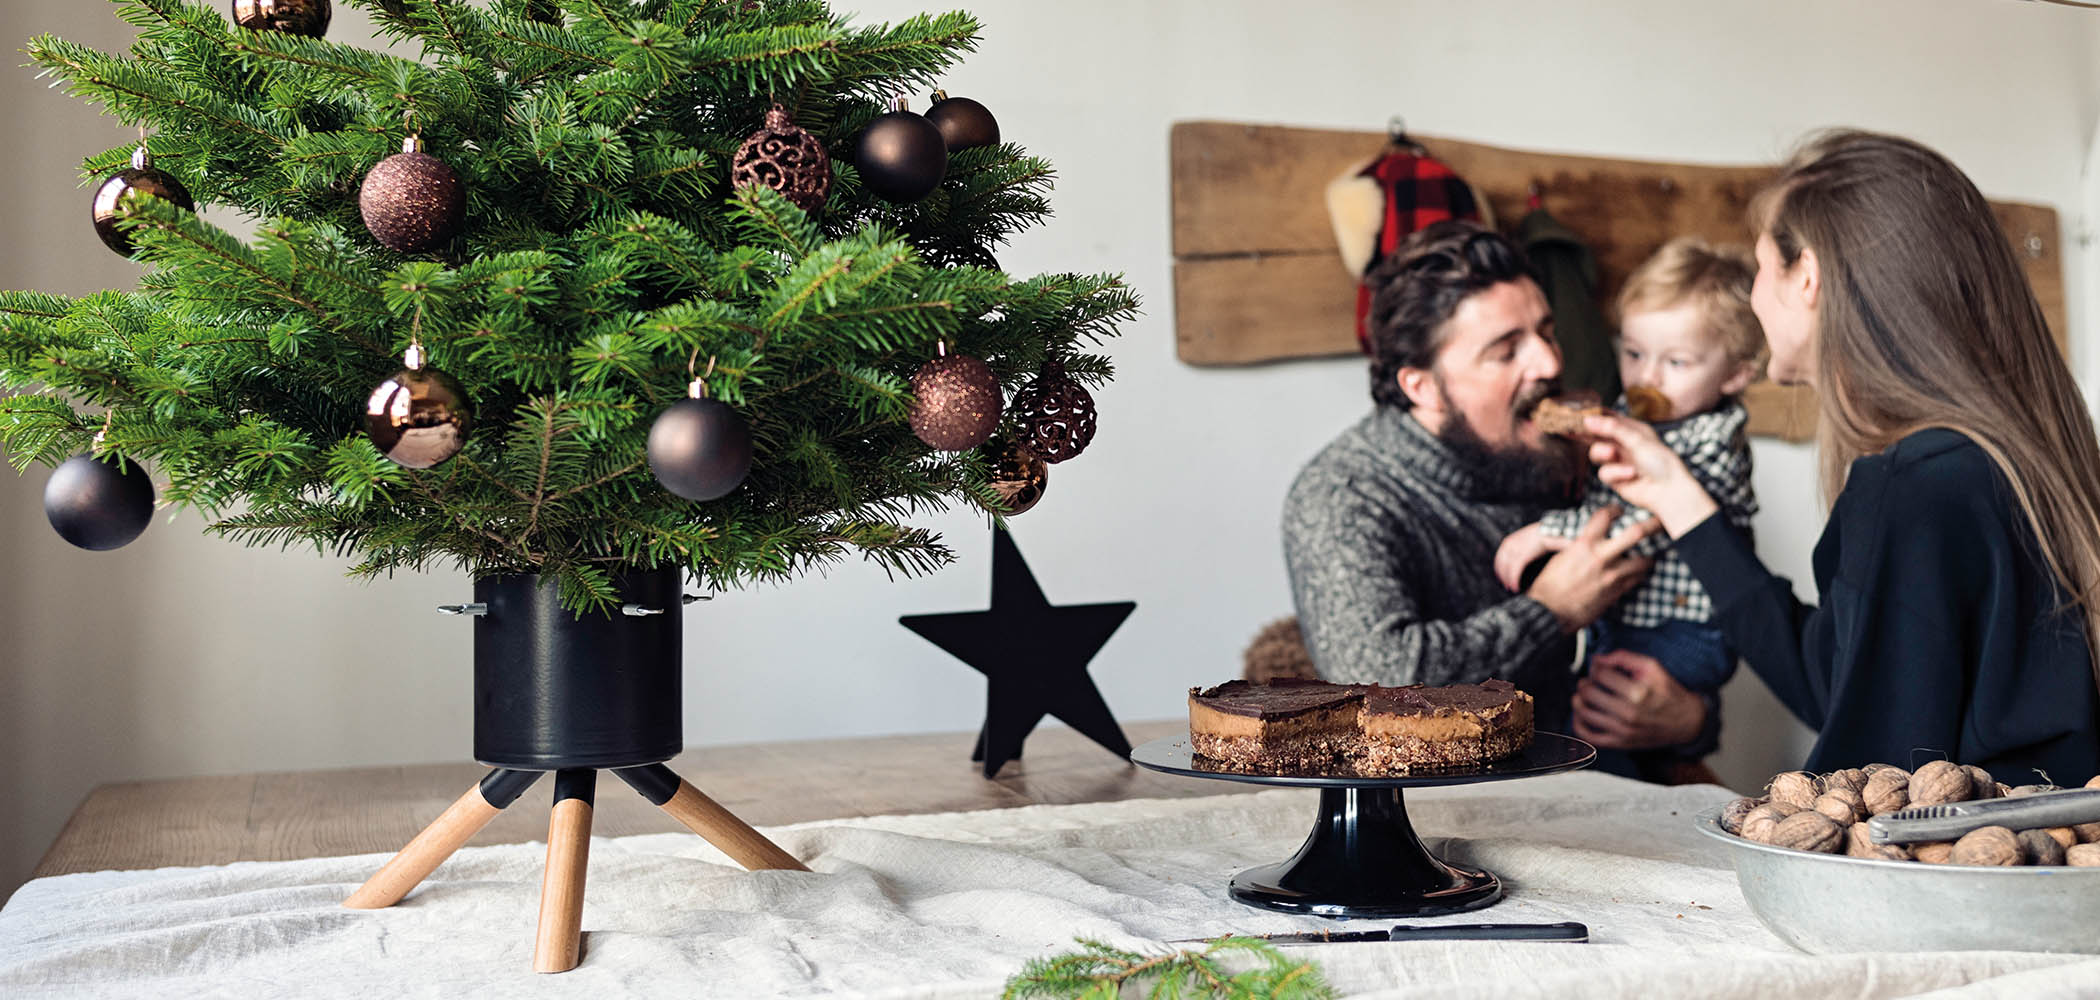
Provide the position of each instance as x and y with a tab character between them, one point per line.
296	17
956	402
1016	475
964	123
145	180
413	202
787	158
418	418
1055	416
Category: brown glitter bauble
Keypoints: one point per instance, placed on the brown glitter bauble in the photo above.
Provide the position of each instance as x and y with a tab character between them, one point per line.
295	17
419	417
413	202
956	402
787	158
1018	477
1055	415
140	177
964	123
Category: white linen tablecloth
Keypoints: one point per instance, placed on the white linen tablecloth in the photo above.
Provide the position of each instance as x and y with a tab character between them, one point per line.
950	905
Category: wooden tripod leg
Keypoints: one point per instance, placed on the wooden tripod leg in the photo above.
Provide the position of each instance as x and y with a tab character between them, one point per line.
560	943
707	818
459	822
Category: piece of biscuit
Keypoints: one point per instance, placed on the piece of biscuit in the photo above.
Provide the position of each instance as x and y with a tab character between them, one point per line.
1648	404
1565	415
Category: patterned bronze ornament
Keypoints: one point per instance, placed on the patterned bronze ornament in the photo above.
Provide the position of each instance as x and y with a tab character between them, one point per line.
1055	416
956	402
419	417
787	158
1018	477
142	177
413	202
296	17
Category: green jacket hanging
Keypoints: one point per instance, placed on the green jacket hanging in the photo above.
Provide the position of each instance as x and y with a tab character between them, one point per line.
1569	273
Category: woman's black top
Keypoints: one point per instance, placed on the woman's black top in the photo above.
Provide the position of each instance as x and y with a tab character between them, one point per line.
1942	633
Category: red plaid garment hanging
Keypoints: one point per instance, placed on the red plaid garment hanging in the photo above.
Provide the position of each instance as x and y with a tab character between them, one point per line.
1418	191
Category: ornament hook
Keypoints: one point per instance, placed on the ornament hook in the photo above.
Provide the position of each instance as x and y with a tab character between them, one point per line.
697	388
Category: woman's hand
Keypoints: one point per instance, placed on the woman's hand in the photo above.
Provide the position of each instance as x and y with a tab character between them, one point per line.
1633	460
1629	702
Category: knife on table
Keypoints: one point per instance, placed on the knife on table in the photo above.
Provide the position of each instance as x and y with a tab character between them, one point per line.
1569	931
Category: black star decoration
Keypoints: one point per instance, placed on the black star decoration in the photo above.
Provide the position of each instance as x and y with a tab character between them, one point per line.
1034	656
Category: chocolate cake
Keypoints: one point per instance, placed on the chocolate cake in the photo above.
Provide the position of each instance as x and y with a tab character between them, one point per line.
1297	726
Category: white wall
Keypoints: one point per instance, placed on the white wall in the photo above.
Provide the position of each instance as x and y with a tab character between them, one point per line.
185	655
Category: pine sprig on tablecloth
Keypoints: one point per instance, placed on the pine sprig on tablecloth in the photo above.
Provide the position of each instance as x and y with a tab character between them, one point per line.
1099	972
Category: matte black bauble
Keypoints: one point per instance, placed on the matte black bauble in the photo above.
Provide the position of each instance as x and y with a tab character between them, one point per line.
296	17
964	123
110	196
418	418
95	506
700	449
901	157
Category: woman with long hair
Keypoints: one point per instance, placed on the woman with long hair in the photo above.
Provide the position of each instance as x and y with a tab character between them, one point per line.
1959	572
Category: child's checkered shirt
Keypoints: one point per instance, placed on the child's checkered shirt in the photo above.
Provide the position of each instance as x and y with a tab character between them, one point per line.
1717	450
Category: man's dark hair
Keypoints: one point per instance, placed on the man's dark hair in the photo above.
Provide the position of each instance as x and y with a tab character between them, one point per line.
1415	290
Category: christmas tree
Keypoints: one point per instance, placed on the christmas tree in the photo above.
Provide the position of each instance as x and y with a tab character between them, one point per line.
584	240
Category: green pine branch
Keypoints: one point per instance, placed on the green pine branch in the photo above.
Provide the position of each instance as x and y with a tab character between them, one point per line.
605	263
1097	970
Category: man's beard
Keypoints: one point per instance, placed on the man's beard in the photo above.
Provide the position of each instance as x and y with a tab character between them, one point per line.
1516	471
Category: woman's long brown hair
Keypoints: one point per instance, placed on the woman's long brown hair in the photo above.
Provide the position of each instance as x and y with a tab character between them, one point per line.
1925	319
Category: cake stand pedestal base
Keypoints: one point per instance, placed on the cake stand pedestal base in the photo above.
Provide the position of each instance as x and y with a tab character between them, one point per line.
1364	860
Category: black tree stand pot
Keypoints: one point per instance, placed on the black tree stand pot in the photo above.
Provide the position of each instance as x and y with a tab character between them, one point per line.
1363	858
554	691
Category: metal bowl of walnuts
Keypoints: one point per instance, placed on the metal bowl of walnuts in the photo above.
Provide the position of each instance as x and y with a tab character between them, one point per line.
1825	897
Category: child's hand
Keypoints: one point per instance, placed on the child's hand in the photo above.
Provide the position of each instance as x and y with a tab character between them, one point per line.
1523	547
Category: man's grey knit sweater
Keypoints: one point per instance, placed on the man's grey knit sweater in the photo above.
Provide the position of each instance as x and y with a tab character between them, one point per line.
1390	542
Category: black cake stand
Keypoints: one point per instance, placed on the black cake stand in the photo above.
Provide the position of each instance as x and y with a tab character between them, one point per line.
1363	858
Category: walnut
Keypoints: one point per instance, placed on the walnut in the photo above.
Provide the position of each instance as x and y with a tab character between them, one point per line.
1796	788
1987	845
2063	835
1842	805
1859	844
1981	784
1877	768
2038	848
1808	831
2088	833
2004	789
1758	822
2093	782
1852	777
1938	782
1732	814
1935	853
2083	856
1886	791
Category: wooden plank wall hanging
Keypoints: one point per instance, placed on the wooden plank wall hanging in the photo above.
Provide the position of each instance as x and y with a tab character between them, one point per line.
1257	277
